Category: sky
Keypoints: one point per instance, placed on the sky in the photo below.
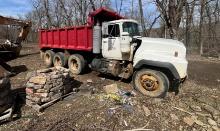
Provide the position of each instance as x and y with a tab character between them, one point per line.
21	7
15	8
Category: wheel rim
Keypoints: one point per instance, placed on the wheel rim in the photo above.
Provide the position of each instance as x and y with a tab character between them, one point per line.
149	82
57	62
47	59
74	65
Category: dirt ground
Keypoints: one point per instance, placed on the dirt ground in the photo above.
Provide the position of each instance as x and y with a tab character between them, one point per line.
196	107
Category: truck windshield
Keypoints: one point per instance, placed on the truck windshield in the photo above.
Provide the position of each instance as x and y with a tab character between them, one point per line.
131	28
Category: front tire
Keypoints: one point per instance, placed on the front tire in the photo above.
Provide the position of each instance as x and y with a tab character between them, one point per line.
151	83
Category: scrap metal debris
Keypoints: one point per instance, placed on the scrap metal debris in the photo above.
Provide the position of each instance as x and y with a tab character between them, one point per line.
7	45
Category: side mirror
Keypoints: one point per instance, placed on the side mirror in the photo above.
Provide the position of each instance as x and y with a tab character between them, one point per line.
125	34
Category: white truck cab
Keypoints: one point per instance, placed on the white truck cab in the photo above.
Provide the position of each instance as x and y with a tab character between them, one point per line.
117	37
155	63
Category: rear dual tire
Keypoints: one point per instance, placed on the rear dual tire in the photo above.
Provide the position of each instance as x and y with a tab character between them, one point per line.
48	58
54	59
76	64
60	59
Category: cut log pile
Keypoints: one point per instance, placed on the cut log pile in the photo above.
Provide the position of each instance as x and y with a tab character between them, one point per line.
47	85
6	99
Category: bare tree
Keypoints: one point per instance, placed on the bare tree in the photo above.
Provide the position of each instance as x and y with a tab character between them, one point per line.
189	10
142	17
132	8
152	24
202	8
46	5
93	5
172	12
196	21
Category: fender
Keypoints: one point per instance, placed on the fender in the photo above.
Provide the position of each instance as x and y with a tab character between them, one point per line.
158	64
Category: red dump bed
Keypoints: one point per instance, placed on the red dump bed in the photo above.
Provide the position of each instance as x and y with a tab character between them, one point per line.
75	38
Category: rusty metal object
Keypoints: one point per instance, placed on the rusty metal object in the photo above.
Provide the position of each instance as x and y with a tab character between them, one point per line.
127	71
8	49
10	21
25	27
114	68
15	47
149	82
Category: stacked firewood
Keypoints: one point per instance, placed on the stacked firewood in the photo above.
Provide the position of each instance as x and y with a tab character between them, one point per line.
47	84
6	98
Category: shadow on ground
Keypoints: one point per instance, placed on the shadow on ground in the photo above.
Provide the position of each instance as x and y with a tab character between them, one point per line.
19	69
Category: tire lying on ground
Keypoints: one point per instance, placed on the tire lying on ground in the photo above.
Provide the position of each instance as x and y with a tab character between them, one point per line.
48	58
5	95
151	83
76	64
60	59
4	84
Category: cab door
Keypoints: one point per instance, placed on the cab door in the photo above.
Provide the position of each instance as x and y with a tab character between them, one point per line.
111	48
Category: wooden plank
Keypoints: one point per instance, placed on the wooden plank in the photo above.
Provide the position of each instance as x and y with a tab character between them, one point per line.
40	108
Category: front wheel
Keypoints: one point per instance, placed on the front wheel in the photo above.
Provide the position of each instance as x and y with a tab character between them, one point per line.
151	83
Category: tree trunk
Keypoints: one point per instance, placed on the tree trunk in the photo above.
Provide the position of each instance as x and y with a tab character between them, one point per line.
132	8
46	7
93	5
142	18
202	2
189	19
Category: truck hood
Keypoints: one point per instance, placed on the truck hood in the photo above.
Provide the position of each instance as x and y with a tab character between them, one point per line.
163	46
163	51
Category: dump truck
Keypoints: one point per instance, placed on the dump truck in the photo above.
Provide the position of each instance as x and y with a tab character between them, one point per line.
111	44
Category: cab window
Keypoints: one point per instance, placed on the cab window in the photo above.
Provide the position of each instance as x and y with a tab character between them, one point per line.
113	30
131	28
